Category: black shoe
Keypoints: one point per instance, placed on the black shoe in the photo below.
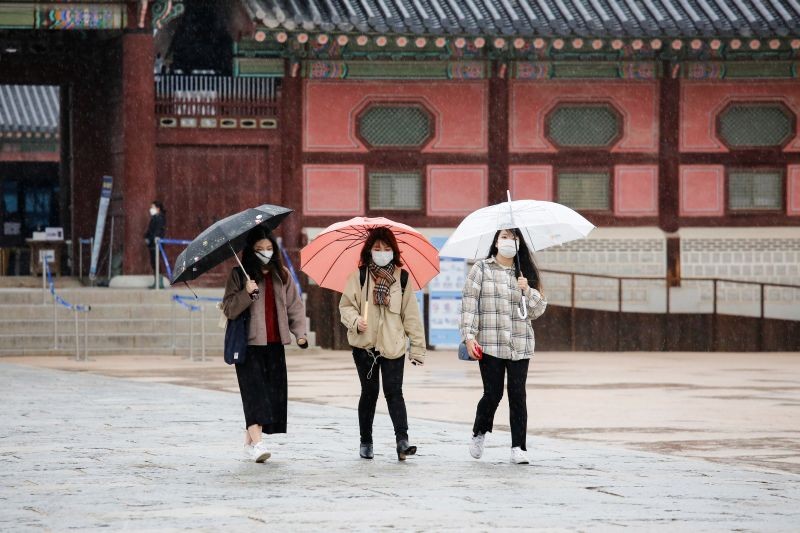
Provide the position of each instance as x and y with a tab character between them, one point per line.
404	449
365	451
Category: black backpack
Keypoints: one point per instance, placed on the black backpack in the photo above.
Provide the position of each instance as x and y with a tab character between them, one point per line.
362	276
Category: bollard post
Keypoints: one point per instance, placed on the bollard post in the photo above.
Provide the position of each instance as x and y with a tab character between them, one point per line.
86	334
110	248
172	319
158	262
77	339
44	283
202	333
55	324
191	335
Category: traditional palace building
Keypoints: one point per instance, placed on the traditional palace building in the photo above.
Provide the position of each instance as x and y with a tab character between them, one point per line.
671	124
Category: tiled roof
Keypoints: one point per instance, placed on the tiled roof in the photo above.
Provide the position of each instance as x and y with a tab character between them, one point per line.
29	108
590	18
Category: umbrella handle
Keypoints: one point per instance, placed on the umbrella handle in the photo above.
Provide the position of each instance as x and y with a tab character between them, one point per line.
522	310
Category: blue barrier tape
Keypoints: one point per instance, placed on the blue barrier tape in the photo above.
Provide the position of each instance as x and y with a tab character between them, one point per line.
181	300
174	241
59	300
85	241
290	266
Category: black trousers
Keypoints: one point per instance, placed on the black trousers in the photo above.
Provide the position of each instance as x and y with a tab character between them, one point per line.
262	384
368	373
493	372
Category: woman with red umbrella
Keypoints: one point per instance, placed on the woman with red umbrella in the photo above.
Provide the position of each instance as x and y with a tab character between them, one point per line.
382	319
268	293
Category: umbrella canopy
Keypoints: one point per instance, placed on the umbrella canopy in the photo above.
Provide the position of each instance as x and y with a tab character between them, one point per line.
334	254
542	224
223	239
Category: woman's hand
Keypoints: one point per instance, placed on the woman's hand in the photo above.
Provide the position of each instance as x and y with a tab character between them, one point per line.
361	325
251	286
472	345
522	283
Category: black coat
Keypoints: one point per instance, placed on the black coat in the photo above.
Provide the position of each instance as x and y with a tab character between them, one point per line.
156	228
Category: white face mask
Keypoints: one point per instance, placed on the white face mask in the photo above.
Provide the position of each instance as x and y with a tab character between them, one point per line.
153	211
382	258
264	256
507	247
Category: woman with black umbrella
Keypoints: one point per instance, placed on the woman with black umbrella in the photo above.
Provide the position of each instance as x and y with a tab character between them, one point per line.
270	295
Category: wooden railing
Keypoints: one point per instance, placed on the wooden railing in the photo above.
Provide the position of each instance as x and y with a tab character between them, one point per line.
216	96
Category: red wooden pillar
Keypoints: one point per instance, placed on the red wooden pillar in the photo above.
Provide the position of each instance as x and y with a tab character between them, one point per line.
138	166
291	120
668	167
498	133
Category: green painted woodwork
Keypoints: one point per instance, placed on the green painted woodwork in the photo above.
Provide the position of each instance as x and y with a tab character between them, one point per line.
15	16
267	67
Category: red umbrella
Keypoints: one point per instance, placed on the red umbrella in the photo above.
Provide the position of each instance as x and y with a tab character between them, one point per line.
334	254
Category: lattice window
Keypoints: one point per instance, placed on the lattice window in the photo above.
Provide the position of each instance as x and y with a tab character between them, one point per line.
584	190
395	190
755	125
395	126
755	189
583	126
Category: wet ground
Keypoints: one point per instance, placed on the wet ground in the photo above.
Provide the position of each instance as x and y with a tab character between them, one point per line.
733	408
83	451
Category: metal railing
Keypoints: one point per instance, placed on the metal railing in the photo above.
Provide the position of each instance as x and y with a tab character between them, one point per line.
189	303
706	302
216	96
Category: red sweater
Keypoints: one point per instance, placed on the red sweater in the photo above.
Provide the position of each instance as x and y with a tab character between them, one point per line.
271	314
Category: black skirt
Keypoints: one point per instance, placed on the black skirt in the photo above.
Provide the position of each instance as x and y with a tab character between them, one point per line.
262	384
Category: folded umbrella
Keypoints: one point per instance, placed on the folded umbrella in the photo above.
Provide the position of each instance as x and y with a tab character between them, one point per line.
334	254
222	239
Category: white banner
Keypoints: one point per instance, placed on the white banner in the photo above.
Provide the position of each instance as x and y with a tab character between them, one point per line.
102	211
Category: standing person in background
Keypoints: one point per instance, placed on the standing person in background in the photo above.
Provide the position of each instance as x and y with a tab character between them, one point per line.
156	228
382	320
276	313
489	321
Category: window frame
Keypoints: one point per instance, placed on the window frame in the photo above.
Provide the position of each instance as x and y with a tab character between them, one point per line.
395	169
608	170
584	103
757	103
395	103
780	210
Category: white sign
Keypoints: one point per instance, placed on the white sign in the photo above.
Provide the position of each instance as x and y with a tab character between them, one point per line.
54	234
12	228
47	255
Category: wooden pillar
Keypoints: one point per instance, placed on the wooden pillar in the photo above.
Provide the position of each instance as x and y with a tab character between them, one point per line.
291	120
138	167
498	132
668	167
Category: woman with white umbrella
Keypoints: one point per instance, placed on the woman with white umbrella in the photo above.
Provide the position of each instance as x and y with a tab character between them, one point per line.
500	336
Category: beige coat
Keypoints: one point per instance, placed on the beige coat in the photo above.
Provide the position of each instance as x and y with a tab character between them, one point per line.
290	308
389	328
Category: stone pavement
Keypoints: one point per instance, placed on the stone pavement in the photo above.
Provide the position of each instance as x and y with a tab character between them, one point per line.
83	451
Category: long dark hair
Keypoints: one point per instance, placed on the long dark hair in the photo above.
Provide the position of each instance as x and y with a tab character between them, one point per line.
384	234
526	263
253	265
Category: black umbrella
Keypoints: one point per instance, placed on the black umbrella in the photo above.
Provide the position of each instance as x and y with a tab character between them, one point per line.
223	239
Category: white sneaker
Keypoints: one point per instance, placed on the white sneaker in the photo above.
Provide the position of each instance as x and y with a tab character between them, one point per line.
476	445
518	456
259	453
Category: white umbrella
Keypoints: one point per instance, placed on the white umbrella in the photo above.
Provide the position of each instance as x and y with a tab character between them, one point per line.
542	224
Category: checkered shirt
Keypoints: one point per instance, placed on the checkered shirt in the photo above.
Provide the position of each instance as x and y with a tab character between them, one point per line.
497	327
